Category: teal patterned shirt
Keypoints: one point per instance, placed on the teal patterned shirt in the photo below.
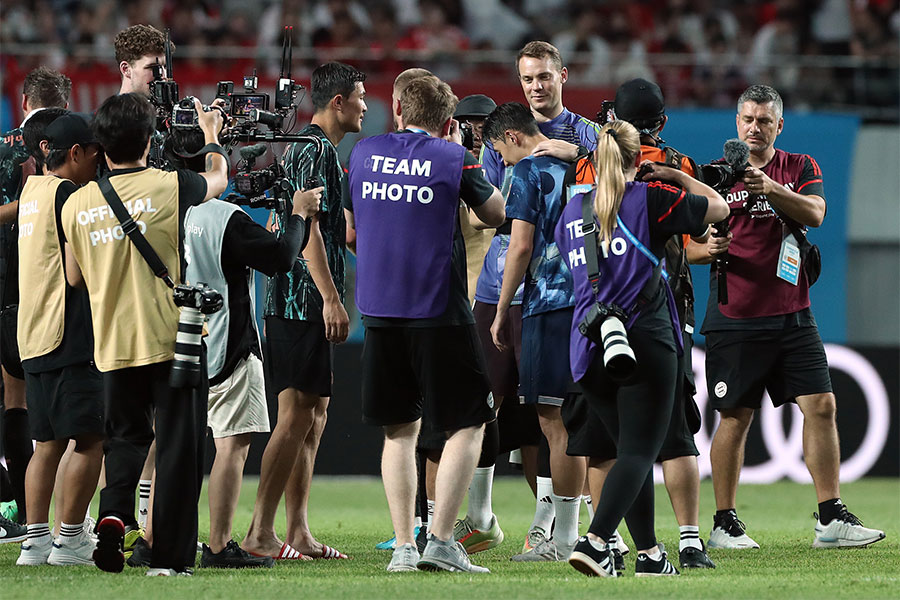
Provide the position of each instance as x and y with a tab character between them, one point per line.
293	295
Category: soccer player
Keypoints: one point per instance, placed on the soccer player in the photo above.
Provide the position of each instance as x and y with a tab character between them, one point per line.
534	205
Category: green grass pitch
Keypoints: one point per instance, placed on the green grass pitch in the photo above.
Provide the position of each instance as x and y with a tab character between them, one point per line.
351	515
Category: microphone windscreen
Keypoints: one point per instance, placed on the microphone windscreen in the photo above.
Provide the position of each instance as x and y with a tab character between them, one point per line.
736	152
248	152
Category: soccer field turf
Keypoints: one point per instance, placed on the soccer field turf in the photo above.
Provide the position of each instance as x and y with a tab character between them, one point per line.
351	514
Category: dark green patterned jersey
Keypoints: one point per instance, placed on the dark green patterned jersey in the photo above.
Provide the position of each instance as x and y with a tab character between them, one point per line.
293	295
12	155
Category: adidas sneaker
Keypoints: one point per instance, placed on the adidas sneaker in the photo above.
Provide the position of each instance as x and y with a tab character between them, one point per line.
585	558
729	532
846	531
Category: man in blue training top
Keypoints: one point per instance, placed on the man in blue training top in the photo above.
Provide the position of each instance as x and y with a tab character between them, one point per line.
534	205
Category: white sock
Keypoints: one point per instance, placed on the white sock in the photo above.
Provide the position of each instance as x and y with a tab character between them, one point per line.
417	522
690	537
566	529
479	510
654	556
589	504
38	532
67	531
144	501
430	515
544	511
599	545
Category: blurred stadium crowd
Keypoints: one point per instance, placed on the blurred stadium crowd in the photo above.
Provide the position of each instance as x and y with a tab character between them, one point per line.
822	53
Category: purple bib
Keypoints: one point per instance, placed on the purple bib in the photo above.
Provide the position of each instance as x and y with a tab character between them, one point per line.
623	273
405	193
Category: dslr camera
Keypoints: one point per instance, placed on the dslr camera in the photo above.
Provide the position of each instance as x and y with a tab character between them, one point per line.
605	326
195	301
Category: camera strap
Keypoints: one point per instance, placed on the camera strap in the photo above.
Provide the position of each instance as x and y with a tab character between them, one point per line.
132	230
589	229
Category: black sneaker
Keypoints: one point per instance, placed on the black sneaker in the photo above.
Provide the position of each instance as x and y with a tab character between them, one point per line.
141	553
693	558
109	555
233	556
647	567
11	532
590	561
421	539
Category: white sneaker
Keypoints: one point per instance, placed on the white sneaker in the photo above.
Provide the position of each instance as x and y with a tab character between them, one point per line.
447	556
34	554
404	558
77	550
163	572
90	524
729	532
621	546
548	551
846	531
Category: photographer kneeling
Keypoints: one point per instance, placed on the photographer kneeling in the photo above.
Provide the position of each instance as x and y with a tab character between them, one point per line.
223	244
135	321
616	264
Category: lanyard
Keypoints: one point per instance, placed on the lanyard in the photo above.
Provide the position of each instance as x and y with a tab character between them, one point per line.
417	130
637	244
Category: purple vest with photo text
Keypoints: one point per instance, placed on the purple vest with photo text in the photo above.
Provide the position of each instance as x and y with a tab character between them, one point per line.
623	273
405	193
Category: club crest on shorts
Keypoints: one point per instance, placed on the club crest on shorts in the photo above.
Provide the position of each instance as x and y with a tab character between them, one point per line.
490	400
721	389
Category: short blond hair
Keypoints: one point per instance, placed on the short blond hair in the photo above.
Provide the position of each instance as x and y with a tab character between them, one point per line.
540	50
409	75
427	102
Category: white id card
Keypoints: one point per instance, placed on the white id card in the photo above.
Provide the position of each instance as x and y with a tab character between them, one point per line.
789	260
575	189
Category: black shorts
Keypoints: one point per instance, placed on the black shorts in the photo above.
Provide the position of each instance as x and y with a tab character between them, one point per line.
545	374
65	403
298	356
787	363
519	426
587	435
502	367
430	439
9	343
433	373
685	413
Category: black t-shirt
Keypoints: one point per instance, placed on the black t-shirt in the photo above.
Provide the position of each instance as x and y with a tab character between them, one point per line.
77	345
247	245
474	190
670	211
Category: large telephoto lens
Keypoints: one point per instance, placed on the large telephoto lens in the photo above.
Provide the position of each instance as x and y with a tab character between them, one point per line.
618	357
186	366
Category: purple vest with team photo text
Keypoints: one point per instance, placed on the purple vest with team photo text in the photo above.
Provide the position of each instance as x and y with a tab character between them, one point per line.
405	193
623	273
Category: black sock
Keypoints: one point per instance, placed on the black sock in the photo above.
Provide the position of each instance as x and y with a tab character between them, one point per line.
17	439
721	514
543	462
490	446
829	510
6	493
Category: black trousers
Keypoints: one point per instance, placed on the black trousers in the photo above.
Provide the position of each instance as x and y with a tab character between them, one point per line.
636	415
132	397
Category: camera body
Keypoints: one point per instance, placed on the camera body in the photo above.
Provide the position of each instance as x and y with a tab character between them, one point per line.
467	133
195	302
721	176
604	324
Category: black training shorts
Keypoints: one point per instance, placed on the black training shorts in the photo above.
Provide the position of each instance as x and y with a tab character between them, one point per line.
65	403
502	367
434	373
787	363
298	356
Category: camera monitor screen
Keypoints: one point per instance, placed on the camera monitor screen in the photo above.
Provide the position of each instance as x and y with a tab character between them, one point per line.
184	116
242	104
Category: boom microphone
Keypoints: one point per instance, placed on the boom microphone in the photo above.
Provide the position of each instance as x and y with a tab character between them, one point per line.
255	151
737	154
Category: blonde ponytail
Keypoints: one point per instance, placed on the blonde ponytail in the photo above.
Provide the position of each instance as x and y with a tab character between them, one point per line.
618	144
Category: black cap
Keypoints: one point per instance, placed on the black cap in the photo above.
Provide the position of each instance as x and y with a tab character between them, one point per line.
476	105
639	100
68	130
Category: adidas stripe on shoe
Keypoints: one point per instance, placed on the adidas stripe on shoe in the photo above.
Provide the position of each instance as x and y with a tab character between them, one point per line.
587	559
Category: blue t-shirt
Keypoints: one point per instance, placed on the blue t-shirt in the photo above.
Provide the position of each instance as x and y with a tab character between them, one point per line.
535	196
567	126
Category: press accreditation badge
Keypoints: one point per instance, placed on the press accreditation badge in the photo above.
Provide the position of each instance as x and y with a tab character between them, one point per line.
575	189
789	260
